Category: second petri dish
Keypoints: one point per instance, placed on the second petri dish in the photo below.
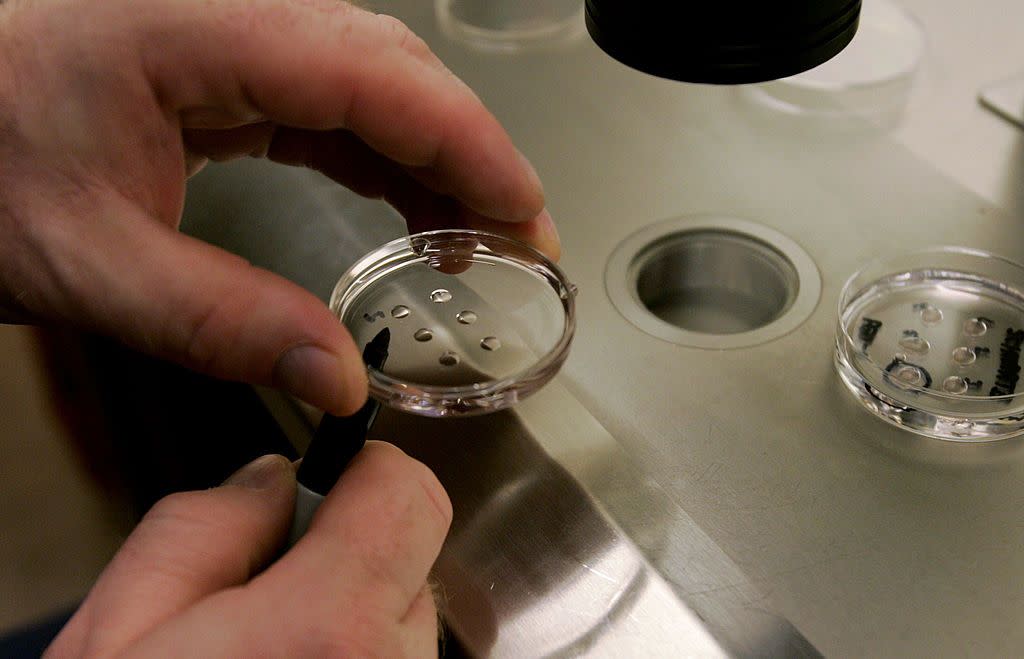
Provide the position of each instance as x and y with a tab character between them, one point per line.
931	341
511	25
870	79
477	321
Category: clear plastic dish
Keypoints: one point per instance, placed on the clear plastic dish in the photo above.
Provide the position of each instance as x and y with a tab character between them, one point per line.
511	25
870	79
931	341
477	321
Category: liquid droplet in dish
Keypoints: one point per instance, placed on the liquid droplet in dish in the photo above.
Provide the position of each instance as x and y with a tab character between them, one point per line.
931	315
466	317
440	296
954	384
909	374
964	356
914	343
490	343
449	358
400	311
975	327
423	335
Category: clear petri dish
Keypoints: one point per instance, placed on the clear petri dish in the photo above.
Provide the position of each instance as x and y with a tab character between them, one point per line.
870	79
931	342
477	321
511	25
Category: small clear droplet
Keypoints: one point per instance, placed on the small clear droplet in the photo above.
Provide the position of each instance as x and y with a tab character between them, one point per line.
975	327
490	343
423	335
954	384
449	358
400	311
909	374
441	296
931	315
964	356
914	344
466	317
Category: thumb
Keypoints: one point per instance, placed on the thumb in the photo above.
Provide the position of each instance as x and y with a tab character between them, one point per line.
190	545
127	275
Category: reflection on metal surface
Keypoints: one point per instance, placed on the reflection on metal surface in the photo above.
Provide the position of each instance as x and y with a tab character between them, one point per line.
535	565
531	567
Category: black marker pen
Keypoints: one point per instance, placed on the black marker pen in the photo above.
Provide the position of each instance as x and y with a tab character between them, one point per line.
335	442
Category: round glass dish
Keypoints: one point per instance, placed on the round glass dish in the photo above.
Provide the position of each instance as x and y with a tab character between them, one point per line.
511	25
931	342
477	321
870	79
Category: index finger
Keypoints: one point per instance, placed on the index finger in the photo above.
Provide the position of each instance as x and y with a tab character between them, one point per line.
324	65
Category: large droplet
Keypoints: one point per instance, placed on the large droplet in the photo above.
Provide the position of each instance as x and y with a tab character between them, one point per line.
964	356
910	375
954	384
423	335
975	327
466	317
441	296
914	343
931	315
449	358
490	343
400	311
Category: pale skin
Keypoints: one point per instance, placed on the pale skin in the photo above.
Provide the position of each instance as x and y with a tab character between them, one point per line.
105	109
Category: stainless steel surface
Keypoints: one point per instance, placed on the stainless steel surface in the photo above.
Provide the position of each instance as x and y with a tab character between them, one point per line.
967	47
745	480
708	281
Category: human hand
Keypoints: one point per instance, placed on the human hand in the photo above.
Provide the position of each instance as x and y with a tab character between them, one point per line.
104	108
188	581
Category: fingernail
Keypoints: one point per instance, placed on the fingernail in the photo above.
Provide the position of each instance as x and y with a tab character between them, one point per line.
549	235
531	175
261	473
316	376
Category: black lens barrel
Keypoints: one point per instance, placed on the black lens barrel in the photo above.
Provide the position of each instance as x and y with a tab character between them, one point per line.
723	42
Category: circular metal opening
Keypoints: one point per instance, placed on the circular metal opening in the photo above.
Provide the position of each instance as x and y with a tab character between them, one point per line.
712	282
715	282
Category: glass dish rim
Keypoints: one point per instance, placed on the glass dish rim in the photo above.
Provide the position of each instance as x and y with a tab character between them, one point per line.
847	295
401	252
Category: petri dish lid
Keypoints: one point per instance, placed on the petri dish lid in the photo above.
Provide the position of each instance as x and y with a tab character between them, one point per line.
511	26
870	79
477	321
931	341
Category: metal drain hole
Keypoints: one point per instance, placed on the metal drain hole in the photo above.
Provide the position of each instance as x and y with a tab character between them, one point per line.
715	282
709	281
